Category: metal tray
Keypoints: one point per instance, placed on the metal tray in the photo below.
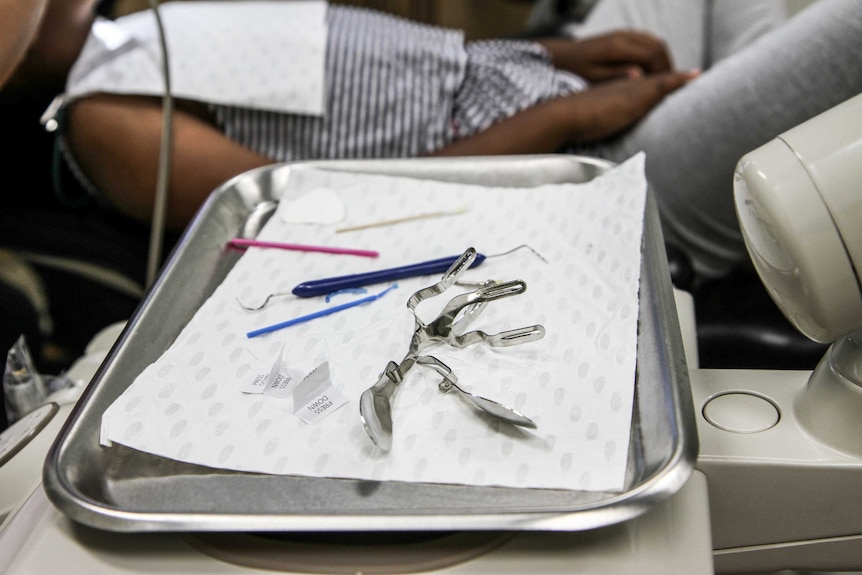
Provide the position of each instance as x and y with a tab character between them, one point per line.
121	489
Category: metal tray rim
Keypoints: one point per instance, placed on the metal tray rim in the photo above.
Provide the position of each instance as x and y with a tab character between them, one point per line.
615	508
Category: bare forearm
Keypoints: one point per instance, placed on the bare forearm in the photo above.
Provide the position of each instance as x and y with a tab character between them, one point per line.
541	129
601	112
116	140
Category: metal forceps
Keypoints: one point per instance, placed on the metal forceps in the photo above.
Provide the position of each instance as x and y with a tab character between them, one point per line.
375	403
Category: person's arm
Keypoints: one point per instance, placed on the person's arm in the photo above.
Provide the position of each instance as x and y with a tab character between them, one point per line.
116	141
595	114
43	36
19	23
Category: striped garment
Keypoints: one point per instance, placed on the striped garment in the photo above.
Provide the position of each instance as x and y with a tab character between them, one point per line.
396	88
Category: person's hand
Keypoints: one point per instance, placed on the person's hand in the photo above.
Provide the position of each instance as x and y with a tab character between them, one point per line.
622	54
612	107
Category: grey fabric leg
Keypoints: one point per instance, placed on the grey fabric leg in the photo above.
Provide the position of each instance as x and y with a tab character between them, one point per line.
695	137
734	24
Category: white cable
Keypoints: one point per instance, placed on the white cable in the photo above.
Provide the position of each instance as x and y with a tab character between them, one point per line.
157	227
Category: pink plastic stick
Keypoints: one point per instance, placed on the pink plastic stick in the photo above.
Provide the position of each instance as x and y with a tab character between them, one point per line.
246	243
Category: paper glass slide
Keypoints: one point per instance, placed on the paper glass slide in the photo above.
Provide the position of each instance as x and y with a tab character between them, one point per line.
198	402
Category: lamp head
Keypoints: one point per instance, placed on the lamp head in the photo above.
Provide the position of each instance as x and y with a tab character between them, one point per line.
799	202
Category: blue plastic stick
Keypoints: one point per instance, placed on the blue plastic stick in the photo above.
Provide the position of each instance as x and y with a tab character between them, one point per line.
317	314
329	285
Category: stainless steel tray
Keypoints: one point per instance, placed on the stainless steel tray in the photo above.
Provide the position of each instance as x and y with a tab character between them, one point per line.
121	489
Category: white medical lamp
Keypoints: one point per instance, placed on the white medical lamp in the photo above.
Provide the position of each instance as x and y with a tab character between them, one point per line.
799	201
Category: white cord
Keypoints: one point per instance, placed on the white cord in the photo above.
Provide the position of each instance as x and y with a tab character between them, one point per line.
157	227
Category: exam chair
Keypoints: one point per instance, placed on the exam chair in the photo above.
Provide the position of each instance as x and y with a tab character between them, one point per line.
70	266
85	271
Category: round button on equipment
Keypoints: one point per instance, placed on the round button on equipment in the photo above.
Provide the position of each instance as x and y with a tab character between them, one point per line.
741	412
